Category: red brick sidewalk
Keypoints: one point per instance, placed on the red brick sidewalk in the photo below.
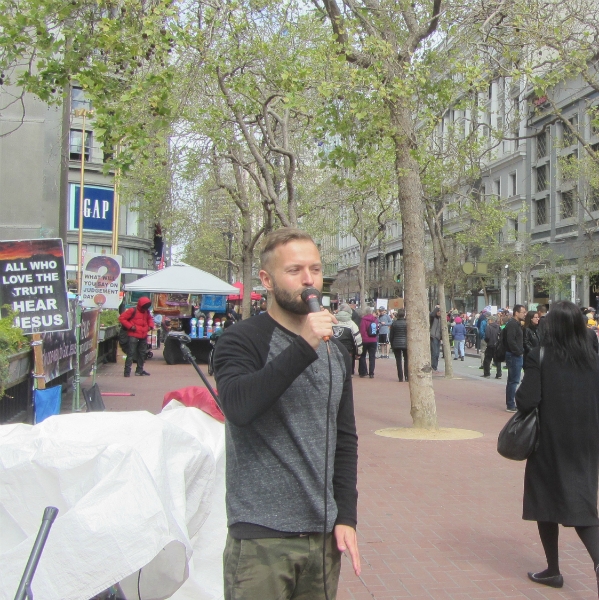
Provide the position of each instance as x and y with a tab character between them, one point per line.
437	519
442	519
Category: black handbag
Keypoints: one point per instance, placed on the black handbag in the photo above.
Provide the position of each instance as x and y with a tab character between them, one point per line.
124	336
519	437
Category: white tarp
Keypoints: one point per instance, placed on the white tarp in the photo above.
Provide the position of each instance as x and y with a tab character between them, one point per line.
133	490
183	279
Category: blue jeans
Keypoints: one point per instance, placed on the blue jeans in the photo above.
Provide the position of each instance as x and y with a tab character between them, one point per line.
458	348
514	372
435	351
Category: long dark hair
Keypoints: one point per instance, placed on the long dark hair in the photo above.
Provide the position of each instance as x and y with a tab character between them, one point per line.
528	319
566	333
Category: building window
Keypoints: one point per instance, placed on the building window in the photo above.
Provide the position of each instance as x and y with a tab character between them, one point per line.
541	211
513	187
541	178
78	100
75	144
567	204
570	136
497	188
593	199
542	145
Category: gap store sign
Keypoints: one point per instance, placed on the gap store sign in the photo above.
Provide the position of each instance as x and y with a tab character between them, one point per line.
98	204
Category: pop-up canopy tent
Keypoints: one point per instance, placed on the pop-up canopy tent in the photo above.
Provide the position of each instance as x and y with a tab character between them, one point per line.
239	294
181	279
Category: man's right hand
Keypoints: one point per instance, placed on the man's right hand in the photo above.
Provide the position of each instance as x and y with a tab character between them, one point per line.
317	326
132	328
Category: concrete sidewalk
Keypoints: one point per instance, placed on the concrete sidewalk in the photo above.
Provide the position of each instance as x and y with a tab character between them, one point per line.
437	519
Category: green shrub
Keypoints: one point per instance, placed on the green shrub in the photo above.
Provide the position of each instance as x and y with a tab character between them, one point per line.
12	340
108	318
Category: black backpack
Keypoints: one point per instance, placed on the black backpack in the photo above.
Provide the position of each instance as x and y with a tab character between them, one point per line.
345	336
500	348
124	336
373	329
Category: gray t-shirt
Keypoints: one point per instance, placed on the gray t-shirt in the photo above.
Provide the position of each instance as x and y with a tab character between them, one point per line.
274	391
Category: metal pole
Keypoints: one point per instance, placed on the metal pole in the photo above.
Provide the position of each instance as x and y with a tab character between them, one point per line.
116	208
230	257
81	200
77	377
24	589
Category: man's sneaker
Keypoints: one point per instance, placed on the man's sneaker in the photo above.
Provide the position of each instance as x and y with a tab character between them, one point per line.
511	410
481	368
485	376
140	373
127	374
497	376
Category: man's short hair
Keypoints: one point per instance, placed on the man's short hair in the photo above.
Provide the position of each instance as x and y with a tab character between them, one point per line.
518	308
542	309
280	237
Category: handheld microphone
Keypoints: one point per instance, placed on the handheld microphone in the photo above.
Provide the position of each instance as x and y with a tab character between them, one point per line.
311	296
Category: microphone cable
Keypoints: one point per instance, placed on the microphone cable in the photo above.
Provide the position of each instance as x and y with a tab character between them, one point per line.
326	476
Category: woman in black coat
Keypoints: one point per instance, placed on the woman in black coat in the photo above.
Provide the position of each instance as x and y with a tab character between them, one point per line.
560	482
398	336
530	334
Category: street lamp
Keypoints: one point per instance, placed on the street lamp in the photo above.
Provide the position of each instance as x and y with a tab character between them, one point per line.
229	236
81	112
507	284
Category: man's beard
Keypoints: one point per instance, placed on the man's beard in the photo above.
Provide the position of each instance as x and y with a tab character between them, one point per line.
290	301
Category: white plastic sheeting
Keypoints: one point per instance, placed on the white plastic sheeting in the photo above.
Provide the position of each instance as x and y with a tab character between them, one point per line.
133	490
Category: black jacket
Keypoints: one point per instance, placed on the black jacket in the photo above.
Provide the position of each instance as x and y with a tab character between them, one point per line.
398	334
560	481
531	339
492	334
514	337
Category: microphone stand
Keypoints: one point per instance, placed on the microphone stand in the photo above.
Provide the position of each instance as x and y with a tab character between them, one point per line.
24	589
188	356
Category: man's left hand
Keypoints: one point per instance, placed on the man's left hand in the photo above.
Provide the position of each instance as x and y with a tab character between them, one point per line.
347	541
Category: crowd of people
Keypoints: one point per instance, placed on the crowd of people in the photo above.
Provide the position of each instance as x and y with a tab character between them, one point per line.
508	336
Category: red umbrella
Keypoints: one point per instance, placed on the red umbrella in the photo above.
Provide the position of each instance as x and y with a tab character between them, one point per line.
236	297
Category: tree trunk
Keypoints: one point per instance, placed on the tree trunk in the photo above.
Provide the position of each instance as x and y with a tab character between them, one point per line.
440	262
423	411
445	331
361	280
247	262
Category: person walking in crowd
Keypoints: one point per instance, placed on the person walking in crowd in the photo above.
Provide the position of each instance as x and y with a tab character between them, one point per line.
158	325
492	333
369	333
481	326
384	323
514	355
355	315
560	480
435	334
398	336
273	380
459	339
531	333
137	321
348	334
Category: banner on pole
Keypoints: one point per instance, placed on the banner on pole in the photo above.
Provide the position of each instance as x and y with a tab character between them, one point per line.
60	348
33	283
101	280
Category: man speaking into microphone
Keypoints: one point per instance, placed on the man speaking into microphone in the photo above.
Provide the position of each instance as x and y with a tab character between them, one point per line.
278	380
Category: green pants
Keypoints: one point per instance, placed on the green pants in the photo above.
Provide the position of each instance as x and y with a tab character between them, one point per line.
280	568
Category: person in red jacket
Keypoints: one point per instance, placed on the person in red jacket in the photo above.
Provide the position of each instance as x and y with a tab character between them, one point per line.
137	321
